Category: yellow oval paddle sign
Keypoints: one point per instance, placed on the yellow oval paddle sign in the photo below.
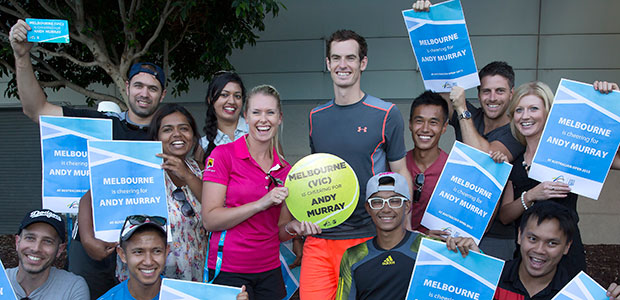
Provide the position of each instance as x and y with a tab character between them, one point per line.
322	189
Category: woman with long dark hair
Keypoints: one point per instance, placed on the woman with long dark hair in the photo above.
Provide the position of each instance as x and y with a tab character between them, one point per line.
175	127
224	123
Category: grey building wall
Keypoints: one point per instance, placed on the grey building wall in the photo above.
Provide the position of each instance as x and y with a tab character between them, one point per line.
542	39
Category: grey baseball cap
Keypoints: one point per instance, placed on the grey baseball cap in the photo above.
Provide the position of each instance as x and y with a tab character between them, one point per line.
400	184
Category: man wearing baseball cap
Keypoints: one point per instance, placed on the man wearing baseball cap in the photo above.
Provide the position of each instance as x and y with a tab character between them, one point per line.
145	88
143	247
39	241
392	251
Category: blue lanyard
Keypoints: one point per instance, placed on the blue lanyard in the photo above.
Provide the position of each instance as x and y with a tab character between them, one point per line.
218	262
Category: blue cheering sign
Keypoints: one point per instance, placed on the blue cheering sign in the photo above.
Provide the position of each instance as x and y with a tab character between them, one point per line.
441	45
580	139
6	289
48	31
466	193
173	289
64	158
126	179
442	274
582	287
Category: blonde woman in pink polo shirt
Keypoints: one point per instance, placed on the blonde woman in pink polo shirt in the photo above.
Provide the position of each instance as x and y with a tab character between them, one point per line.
243	203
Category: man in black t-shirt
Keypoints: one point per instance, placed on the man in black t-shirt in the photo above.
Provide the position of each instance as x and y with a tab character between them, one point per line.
545	236
89	257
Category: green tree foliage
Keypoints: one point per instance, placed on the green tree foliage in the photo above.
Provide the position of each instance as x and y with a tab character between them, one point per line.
191	39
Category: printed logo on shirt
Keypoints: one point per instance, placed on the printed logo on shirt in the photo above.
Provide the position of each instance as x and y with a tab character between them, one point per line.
209	166
362	129
388	261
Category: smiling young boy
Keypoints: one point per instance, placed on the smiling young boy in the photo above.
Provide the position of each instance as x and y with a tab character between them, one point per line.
392	251
144	249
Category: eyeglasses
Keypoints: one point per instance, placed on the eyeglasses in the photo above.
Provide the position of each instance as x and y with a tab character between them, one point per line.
137	220
186	208
393	202
419	182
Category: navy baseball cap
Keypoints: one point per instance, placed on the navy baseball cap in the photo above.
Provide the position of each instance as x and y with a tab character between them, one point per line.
45	216
141	68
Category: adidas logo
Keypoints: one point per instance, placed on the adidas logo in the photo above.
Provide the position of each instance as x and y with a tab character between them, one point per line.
388	261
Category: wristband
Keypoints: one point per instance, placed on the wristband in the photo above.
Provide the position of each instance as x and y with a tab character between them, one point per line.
286	229
522	200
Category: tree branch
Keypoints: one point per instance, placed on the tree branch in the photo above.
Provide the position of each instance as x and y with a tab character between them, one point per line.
68	2
132	8
75	87
52	84
121	10
129	34
162	21
66	56
11	12
49	8
79	11
181	38
165	59
7	65
22	11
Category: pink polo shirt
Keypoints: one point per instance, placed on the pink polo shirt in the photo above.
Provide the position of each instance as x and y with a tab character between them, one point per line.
253	245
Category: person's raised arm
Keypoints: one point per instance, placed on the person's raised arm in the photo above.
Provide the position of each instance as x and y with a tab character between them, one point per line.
606	87
421	5
34	101
217	217
470	135
95	248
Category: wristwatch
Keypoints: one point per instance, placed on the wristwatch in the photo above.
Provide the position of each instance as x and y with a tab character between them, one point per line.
464	115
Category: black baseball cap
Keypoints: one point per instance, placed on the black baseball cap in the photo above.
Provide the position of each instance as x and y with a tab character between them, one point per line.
158	73
44	216
133	222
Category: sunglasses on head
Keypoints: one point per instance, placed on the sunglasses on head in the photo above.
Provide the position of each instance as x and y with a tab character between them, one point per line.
136	220
222	72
